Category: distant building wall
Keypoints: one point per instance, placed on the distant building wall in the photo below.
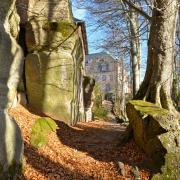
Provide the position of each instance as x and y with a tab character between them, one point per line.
103	68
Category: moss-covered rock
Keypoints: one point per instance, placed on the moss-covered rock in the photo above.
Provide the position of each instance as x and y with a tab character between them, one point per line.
162	116
171	141
46	35
50	78
171	168
53	66
155	130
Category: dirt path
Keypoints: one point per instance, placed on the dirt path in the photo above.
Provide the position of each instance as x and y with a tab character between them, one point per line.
87	151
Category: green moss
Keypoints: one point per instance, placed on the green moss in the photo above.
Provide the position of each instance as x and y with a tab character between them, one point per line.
66	28
171	169
100	112
148	108
170	141
40	130
163	117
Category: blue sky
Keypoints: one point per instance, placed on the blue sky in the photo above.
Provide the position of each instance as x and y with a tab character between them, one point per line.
93	37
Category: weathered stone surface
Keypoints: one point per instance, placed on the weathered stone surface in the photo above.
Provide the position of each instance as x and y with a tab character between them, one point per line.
158	134
171	169
171	141
53	79
162	116
11	147
53	65
45	35
49	78
54	10
51	10
11	60
20	99
88	86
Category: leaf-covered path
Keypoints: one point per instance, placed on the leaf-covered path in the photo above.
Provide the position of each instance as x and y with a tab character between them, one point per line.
87	151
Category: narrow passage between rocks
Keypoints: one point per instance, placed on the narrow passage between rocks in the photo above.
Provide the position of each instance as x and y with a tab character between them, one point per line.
86	151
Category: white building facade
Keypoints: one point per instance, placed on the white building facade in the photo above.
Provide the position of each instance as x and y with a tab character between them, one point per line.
108	73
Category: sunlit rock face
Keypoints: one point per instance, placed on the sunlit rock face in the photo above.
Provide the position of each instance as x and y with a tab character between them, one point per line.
11	60
157	132
53	10
53	65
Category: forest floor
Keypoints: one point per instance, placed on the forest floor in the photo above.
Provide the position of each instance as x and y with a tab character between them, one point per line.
84	152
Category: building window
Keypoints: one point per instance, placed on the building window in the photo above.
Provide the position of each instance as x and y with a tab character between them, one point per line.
103	87
108	88
103	77
103	67
97	78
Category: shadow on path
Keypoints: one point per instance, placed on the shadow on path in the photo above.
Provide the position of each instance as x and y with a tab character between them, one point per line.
100	142
50	169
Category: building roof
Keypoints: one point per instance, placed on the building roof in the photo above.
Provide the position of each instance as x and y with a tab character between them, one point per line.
99	55
84	34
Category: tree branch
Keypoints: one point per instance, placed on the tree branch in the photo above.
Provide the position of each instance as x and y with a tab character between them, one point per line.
136	8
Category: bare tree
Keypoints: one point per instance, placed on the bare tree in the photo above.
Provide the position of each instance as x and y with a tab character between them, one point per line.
122	27
157	84
135	49
176	77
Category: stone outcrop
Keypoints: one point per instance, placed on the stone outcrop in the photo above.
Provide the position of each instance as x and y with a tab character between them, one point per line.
11	60
52	10
157	132
53	65
88	86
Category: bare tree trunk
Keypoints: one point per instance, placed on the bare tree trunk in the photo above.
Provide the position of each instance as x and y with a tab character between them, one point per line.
122	101
175	82
177	60
157	83
135	50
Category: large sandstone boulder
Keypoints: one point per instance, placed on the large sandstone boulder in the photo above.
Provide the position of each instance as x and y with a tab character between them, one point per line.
171	168
157	132
53	65
49	78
